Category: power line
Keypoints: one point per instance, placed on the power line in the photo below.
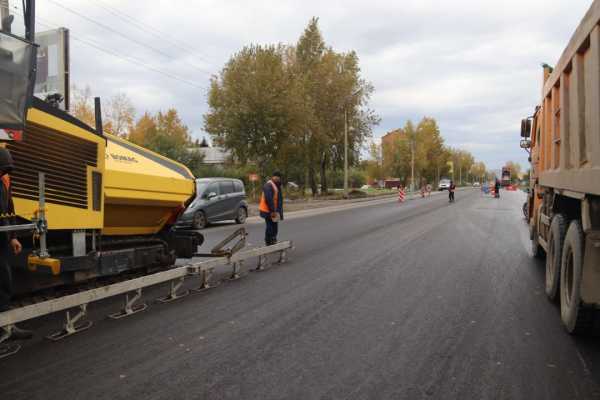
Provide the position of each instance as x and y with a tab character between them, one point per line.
118	55
148	28
139	63
127	37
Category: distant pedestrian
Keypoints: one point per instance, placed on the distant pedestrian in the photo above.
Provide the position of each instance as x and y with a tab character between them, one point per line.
271	207
497	189
451	190
429	189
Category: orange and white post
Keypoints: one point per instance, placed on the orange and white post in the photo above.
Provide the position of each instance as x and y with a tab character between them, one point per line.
401	195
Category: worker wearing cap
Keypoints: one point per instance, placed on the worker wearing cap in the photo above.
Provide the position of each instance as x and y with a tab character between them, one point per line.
451	190
271	207
8	241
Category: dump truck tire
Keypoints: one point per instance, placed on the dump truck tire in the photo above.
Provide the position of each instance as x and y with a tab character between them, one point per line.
577	319
556	239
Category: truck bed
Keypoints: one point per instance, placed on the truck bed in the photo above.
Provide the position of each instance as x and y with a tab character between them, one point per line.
569	132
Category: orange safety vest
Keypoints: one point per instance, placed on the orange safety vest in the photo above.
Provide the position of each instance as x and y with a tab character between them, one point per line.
6	181
264	206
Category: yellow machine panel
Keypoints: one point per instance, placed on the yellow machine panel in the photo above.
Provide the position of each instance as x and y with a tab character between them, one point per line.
142	189
72	159
92	181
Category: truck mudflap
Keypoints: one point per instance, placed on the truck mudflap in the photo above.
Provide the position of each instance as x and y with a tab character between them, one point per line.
590	283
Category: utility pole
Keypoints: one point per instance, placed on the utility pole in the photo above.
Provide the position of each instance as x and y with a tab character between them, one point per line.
346	151
412	164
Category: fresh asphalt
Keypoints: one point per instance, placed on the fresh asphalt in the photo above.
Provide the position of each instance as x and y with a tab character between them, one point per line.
421	300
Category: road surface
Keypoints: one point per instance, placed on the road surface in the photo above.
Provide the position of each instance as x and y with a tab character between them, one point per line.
424	300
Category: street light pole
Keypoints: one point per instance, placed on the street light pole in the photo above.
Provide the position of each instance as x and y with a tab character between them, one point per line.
412	165
345	152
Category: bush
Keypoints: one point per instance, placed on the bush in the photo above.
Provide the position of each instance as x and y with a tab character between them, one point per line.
357	194
356	178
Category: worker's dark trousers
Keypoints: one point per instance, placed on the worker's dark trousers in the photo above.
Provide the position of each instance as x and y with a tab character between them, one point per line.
451	196
271	231
6	286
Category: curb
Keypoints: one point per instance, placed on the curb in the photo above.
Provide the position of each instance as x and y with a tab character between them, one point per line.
349	206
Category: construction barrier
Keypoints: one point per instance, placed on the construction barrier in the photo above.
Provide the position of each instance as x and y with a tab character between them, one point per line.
401	195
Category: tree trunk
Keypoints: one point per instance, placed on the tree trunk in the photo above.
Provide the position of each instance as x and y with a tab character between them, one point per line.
306	165
324	188
313	181
305	182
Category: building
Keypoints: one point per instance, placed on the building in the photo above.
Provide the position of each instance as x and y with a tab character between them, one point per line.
216	156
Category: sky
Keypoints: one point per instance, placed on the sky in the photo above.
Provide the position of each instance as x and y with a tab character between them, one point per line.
473	65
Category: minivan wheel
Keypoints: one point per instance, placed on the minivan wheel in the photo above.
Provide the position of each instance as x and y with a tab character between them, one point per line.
199	220
242	214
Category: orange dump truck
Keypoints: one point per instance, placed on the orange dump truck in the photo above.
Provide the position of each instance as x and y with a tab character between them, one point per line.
563	138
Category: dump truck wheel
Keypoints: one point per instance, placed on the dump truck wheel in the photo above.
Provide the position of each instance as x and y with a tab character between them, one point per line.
242	215
199	220
556	239
576	318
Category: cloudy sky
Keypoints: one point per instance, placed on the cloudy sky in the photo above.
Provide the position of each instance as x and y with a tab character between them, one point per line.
474	65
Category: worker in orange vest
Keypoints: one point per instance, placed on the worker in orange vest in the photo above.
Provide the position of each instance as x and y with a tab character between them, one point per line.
271	207
8	241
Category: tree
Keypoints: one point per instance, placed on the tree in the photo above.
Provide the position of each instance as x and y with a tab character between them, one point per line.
515	169
252	110
120	114
432	159
478	171
374	166
283	106
462	161
167	135
430	153
82	106
145	125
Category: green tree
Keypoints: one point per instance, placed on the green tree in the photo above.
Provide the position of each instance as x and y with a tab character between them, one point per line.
283	106
252	110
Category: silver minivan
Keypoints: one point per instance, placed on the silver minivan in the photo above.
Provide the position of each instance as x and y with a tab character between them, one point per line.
217	199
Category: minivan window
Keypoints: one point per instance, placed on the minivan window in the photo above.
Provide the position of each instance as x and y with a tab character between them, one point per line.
213	187
201	188
226	187
239	188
